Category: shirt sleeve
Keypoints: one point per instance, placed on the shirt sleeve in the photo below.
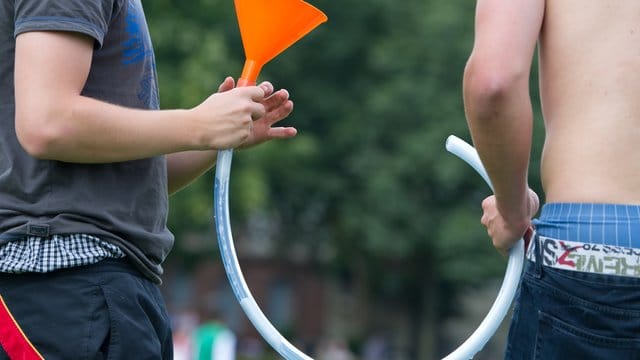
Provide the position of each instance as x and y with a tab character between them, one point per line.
89	17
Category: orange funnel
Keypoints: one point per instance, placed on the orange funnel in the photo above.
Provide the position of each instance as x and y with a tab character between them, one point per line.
268	27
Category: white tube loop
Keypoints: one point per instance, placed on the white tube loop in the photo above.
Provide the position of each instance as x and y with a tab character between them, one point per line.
465	351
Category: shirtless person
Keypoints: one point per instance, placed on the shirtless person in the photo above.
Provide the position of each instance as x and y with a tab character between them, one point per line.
580	294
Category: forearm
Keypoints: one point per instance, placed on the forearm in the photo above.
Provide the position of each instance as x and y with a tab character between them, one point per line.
184	167
85	130
500	121
96	132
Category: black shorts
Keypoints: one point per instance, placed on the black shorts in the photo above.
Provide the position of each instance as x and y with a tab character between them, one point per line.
103	311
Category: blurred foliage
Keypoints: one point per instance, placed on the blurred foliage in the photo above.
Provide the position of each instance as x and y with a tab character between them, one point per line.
367	182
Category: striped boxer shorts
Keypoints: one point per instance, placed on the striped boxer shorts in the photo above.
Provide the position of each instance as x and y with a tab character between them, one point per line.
579	297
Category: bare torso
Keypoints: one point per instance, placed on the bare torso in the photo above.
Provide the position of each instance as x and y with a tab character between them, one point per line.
590	88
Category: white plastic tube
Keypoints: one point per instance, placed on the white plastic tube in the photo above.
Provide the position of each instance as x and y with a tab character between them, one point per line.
465	351
232	266
501	305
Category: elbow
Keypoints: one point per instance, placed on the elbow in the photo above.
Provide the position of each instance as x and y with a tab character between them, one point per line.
38	135
488	88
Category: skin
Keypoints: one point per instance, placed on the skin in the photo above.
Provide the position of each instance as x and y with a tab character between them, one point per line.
54	121
589	86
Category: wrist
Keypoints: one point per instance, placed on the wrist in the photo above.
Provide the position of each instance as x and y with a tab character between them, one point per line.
517	216
193	132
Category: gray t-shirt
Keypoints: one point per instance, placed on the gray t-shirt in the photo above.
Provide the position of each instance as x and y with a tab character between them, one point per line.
123	203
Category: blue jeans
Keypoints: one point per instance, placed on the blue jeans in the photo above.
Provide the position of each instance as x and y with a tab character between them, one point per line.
561	314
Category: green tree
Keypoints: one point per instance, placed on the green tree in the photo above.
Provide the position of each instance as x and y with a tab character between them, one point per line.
366	191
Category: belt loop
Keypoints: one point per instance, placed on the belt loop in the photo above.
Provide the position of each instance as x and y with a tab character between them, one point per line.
537	253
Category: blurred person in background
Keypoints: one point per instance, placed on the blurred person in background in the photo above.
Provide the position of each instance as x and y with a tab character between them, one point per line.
376	347
183	324
335	349
580	293
212	340
87	162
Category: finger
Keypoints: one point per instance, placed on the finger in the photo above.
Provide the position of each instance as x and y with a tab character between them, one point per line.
487	202
276	99
275	115
502	249
257	111
282	132
484	220
255	92
227	84
267	87
534	202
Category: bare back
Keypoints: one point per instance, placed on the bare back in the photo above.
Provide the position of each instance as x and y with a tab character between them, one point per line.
590	89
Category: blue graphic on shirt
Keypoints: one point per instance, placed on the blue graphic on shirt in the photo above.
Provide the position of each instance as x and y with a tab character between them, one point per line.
137	49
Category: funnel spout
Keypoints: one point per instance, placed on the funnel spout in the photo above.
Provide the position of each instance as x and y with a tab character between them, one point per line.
250	72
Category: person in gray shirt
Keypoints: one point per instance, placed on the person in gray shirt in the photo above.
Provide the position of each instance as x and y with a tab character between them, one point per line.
87	162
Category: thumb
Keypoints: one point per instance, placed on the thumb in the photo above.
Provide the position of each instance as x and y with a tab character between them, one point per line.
534	202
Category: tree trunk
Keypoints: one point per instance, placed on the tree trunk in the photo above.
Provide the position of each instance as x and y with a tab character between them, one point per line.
426	317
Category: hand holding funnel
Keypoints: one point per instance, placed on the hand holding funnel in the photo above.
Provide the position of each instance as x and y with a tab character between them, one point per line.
267	27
